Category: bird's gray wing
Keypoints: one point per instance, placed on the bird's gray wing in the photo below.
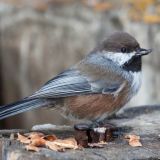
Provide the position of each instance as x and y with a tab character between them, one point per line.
72	82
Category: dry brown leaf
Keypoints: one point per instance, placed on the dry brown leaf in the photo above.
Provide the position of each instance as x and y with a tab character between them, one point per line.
53	146
23	139
38	142
36	139
50	137
133	140
31	147
61	145
69	143
35	135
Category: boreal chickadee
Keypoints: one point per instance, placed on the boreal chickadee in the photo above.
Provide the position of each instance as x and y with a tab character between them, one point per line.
96	87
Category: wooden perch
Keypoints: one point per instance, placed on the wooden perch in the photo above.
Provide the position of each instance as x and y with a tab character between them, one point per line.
143	121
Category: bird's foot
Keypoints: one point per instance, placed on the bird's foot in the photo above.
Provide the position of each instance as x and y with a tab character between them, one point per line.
94	133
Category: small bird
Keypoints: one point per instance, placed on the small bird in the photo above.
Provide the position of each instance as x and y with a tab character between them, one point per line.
96	87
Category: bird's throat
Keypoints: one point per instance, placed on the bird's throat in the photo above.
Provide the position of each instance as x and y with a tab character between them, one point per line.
134	64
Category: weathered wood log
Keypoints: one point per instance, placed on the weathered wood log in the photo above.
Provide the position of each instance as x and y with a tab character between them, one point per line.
143	121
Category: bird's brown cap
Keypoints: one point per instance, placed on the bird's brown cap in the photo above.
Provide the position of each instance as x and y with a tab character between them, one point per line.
119	42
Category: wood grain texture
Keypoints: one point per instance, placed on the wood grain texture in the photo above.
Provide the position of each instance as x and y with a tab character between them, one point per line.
143	121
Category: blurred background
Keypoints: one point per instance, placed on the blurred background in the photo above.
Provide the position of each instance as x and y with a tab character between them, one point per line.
40	38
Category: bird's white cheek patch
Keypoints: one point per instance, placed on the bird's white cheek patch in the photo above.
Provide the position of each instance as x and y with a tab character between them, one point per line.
119	58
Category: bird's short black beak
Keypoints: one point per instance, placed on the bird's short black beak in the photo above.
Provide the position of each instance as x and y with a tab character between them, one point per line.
143	52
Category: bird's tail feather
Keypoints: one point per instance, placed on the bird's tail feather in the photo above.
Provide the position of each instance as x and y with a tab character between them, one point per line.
22	106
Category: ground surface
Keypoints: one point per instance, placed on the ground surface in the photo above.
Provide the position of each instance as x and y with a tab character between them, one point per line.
143	121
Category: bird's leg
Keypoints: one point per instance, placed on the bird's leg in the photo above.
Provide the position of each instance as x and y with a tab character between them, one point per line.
95	132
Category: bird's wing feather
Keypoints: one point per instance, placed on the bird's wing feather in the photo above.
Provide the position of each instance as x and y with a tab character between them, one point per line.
72	82
65	84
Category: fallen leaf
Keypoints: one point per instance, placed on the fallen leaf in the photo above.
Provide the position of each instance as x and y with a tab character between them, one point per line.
62	144
36	139
133	140
50	137
53	146
69	143
38	142
35	135
23	139
31	147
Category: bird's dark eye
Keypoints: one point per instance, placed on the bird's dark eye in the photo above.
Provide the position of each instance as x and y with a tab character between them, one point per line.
123	50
